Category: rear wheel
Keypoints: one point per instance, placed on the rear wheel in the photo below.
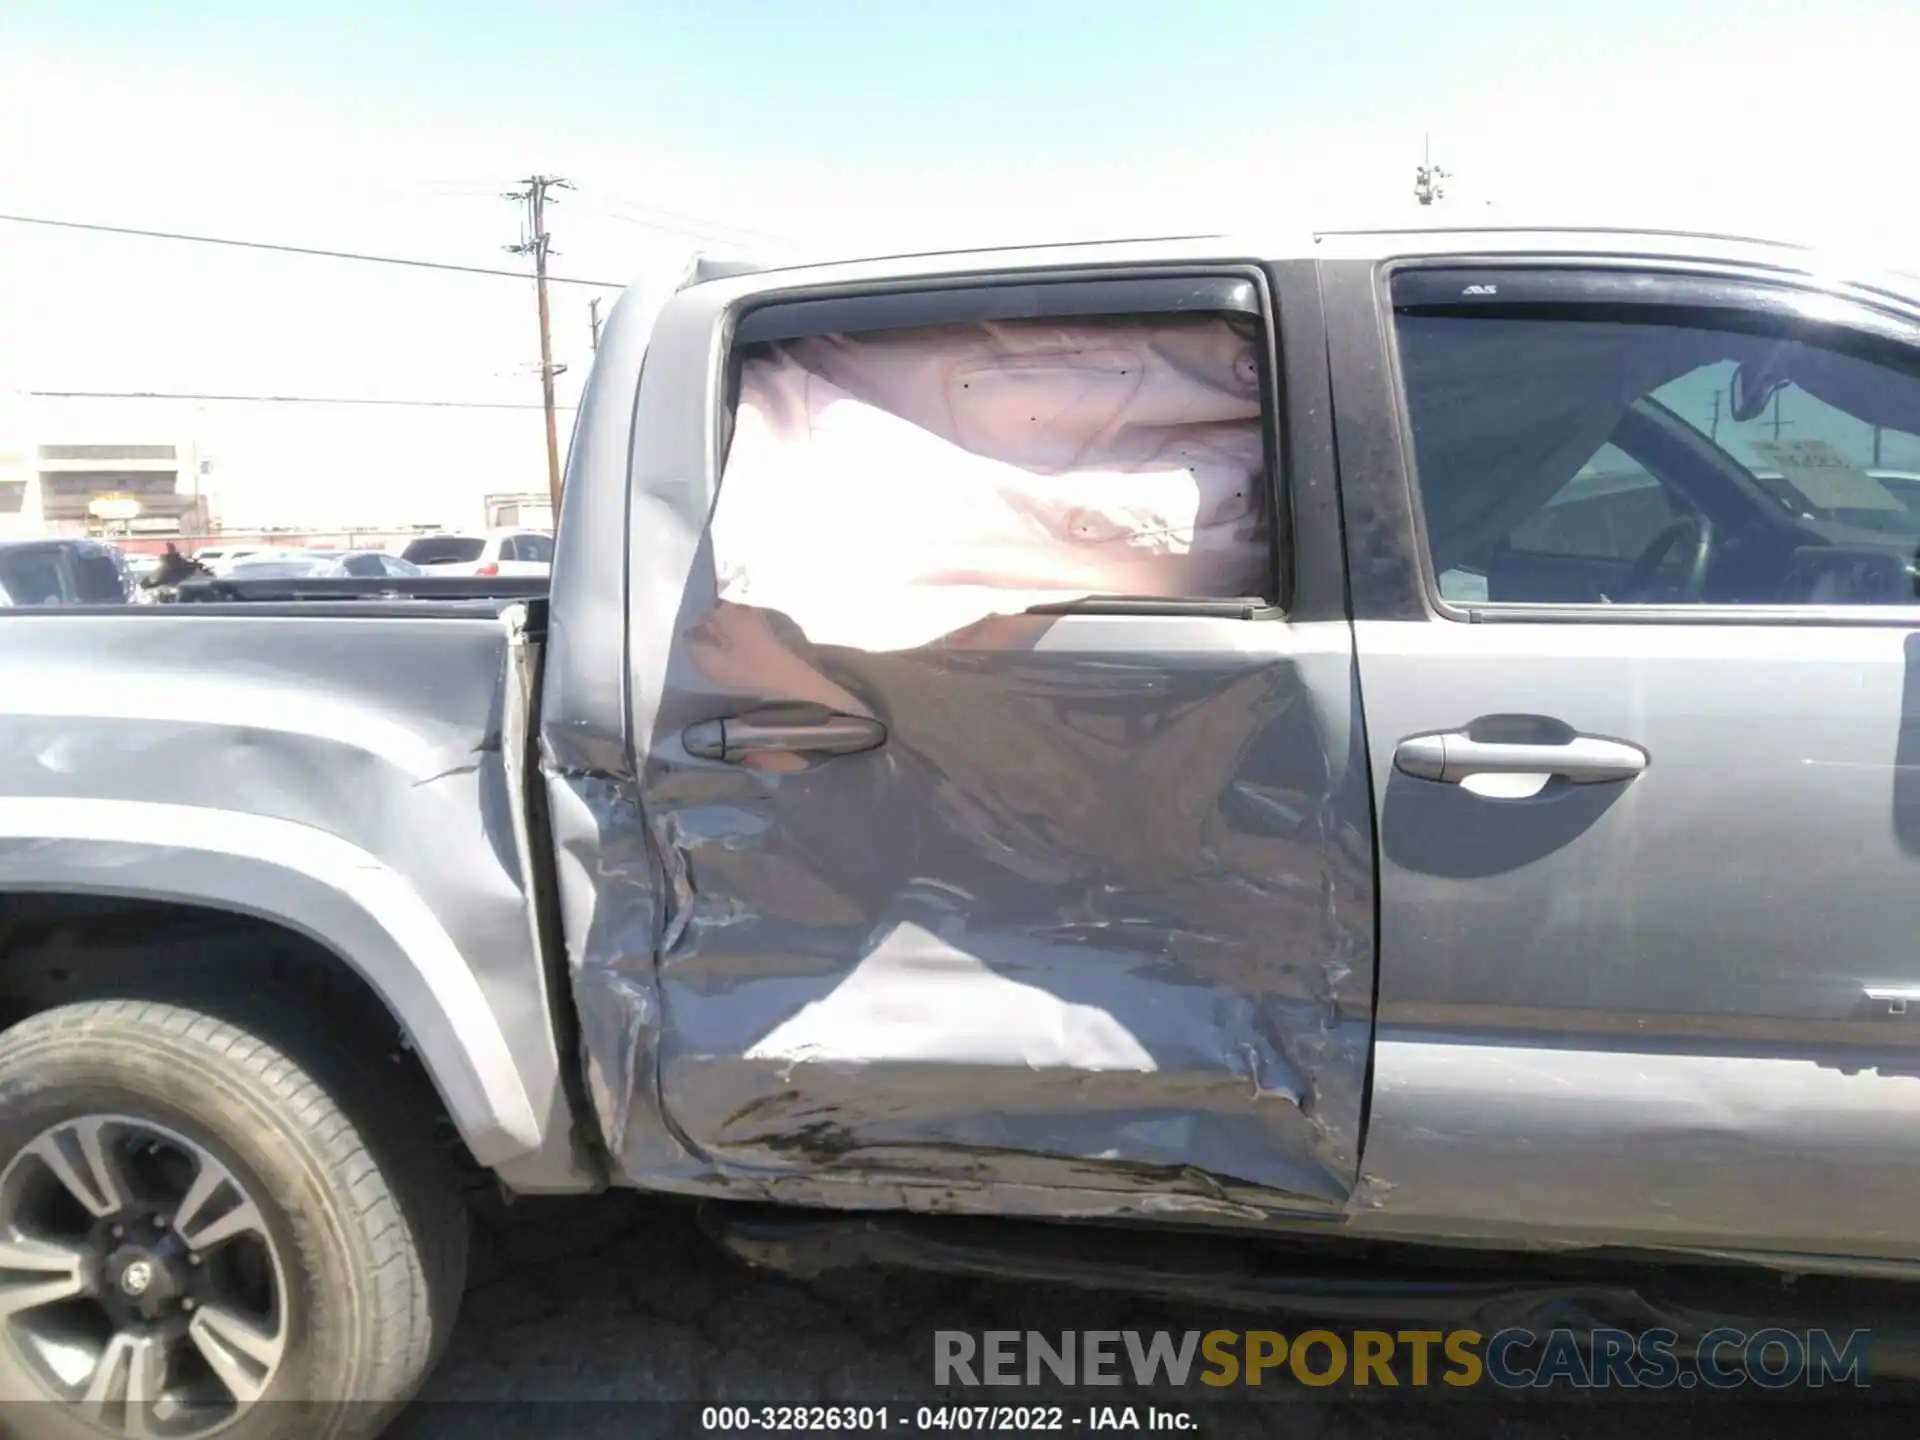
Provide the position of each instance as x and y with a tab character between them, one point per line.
196	1240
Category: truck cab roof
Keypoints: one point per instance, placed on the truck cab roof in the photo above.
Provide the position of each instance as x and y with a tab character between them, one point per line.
1807	255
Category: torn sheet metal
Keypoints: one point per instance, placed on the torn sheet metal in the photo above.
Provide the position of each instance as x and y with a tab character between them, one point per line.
610	910
1094	919
966	471
1090	933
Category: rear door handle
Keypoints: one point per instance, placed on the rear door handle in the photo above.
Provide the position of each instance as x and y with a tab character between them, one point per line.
740	735
1585	759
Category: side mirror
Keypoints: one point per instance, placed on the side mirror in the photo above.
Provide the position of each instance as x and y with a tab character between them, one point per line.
1752	390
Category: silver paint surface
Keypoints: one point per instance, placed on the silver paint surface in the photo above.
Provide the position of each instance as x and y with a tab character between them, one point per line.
1639	1011
1091	933
1095	917
343	776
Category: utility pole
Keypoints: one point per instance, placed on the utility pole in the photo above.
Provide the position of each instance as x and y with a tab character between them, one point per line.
1777	421
593	320
1713	433
1427	177
199	416
537	243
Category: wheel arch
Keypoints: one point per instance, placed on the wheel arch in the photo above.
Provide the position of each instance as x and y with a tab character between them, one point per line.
314	885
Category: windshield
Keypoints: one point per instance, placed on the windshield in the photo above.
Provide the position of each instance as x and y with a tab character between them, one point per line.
1824	456
443	550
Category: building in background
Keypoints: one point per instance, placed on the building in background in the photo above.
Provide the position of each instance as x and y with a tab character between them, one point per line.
74	472
151	467
120	488
102	490
15	476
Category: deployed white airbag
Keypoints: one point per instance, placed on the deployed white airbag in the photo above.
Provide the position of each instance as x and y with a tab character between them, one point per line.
887	489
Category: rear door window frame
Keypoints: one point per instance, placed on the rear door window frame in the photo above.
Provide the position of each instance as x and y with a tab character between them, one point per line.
1208	289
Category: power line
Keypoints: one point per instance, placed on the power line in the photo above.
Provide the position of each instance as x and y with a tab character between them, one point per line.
290	399
301	250
649	217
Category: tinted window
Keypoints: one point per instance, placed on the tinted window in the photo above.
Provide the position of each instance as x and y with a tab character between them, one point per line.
394	565
33	576
1612	509
1584	461
365	566
537	548
96	579
444	550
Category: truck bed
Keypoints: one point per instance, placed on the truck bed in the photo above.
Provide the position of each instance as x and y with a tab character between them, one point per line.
227	754
213	591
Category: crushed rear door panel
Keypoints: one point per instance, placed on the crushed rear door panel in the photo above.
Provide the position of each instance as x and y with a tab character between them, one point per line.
1089	931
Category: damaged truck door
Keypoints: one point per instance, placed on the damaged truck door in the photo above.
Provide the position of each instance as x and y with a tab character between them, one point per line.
1010	817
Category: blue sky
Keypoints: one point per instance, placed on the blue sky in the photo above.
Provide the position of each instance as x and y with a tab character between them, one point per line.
884	82
790	115
860	126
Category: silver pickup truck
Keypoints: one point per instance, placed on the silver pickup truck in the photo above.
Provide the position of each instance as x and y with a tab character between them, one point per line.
1409	738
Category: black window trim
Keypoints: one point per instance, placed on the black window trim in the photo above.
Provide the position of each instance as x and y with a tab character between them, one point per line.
1607	287
1205	288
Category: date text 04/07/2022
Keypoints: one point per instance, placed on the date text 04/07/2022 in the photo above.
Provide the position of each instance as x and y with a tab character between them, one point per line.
934	1419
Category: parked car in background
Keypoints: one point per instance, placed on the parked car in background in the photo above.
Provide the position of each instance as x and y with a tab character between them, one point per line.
217	557
375	565
497	552
139	565
320	564
63	572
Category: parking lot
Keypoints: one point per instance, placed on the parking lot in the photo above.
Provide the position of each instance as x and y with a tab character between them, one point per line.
594	1318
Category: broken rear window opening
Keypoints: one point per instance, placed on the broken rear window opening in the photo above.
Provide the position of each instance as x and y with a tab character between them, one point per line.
957	472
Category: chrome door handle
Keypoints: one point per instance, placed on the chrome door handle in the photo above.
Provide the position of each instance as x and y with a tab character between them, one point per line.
824	735
1450	758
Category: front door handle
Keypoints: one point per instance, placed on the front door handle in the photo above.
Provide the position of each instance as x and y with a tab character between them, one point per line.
822	735
1585	759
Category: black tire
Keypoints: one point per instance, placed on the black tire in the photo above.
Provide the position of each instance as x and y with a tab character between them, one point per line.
366	1217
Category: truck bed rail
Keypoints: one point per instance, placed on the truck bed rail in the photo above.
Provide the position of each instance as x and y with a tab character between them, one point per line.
426	587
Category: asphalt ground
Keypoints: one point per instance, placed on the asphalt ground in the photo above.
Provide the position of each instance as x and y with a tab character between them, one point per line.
617	1317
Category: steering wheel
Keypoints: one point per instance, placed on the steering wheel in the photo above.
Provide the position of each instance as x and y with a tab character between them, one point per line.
1695	527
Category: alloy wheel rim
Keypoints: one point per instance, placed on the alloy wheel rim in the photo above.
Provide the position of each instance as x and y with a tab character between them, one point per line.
139	1281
